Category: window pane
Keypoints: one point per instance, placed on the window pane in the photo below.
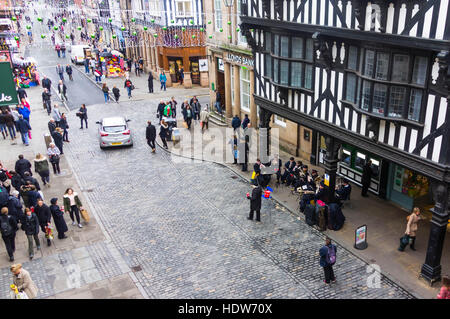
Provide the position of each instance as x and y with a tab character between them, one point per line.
308	76
352	57
382	66
420	70
218	14
268	41
366	96
187	8
296	74
268	65
309	50
368	65
351	87
275	70
285	47
396	101
297	48
400	68
284	72
379	98
276	44
414	105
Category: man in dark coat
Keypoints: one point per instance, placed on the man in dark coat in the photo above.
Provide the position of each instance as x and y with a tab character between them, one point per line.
44	215
150	82
160	109
69	72
58	218
46	83
21	93
236	123
366	177
30	224
27	177
8	232
14	205
23	126
325	261
150	134
46	100
58	139
51	126
255	203
116	93
16	180
22	166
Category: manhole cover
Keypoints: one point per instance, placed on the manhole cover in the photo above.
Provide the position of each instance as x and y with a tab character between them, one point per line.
136	268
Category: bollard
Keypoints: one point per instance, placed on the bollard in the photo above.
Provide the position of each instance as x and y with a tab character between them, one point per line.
47	139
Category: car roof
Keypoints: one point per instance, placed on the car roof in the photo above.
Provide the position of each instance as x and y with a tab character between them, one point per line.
112	121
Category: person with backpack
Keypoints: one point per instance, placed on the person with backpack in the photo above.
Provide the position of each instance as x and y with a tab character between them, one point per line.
129	86
44	216
8	228
327	260
30	224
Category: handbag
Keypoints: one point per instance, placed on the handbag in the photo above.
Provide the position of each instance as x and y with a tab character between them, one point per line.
85	215
29	135
405	240
185	124
132	87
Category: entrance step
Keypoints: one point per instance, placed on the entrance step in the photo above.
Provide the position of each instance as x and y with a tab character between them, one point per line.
217	119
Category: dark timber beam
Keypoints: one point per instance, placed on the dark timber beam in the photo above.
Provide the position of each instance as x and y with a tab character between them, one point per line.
352	34
414	162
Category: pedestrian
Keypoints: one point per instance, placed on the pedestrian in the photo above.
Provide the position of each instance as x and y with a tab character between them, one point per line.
14	205
46	100
129	63
411	229
42	168
92	65
3	128
51	125
116	93
444	293
53	154
150	82
255	203
64	126
22	166
105	90
60	71
366	178
187	114
23	127
27	177
129	86
243	158
44	216
24	112
69	72
16	180
58	139
136	67
29	194
8	228
23	282
163	133
173	106
63	50
98	75
86	65
236	123
58	218
218	102
10	124
25	103
196	108
163	79
58	49
83	115
181	76
62	90
46	83
160	110
327	260
30	224
72	205
56	114
21	93
150	134
245	122
204	118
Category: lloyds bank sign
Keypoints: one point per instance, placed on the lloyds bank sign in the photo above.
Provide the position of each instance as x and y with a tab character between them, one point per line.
8	94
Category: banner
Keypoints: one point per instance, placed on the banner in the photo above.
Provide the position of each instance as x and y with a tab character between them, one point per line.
8	94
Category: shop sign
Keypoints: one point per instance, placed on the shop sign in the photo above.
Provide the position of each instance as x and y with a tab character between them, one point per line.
203	65
220	65
240	59
361	237
326	180
8	94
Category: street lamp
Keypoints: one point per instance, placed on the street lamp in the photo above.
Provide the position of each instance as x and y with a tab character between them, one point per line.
229	5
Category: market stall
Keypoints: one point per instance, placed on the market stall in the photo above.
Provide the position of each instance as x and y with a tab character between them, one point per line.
114	63
25	72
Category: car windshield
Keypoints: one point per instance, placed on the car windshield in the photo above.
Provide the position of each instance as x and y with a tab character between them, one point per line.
114	129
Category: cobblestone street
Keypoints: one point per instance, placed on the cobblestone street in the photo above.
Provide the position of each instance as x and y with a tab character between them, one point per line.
183	226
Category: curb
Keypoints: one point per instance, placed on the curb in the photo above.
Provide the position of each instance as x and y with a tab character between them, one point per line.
278	201
53	87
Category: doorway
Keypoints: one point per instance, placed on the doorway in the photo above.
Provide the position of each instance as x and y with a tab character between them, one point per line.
221	87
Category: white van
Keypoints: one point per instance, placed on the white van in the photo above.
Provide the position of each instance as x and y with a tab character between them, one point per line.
78	53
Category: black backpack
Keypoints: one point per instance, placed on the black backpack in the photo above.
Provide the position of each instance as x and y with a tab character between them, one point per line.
4	196
5	226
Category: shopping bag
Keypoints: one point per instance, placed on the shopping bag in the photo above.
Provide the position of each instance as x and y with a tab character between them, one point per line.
85	215
185	125
29	135
405	240
49	232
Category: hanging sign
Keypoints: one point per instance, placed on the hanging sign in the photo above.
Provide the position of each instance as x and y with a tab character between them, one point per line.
361	237
326	180
220	65
8	94
203	65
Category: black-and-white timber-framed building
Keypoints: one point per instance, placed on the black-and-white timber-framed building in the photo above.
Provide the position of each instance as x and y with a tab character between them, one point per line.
371	80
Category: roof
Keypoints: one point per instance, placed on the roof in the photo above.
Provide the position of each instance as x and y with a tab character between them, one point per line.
113	121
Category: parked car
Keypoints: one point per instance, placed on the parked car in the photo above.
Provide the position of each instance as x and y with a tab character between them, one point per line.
78	53
114	131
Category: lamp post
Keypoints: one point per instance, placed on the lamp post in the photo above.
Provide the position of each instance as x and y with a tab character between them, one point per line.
229	5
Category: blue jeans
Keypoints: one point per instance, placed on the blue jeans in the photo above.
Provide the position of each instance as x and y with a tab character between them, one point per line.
12	131
3	128
129	91
61	76
98	78
86	68
219	109
24	137
163	85
63	54
106	96
59	54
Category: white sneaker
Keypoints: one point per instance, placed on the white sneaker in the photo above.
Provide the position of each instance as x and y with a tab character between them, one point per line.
79	225
73	223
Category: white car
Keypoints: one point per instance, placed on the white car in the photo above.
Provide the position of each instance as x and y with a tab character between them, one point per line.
114	131
77	53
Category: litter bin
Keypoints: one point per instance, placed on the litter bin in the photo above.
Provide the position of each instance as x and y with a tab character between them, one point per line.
172	124
175	135
47	139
